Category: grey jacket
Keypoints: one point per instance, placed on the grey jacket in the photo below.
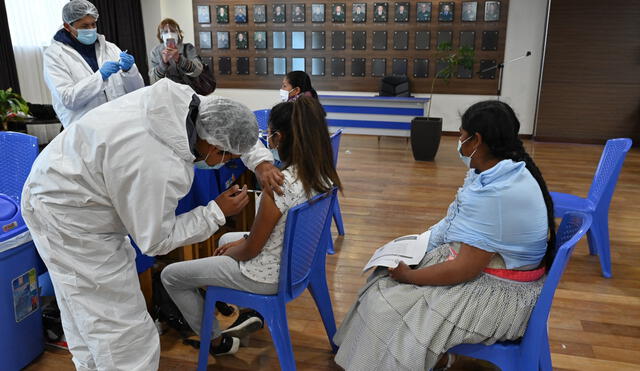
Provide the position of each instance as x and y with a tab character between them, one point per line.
189	64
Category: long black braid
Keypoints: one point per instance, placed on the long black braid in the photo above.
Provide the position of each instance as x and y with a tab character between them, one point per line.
499	126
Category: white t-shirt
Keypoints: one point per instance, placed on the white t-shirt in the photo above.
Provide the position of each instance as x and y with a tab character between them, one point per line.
266	266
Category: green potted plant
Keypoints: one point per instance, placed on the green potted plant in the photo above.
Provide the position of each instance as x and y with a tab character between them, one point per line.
12	106
426	131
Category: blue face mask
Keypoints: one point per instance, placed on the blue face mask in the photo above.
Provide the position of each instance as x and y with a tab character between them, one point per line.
202	164
274	151
87	37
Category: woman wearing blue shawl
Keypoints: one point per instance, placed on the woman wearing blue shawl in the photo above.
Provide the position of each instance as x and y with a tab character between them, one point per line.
484	264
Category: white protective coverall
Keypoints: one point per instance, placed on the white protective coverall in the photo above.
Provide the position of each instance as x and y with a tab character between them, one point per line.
119	170
75	88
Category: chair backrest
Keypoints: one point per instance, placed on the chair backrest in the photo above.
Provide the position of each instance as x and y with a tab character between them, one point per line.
262	116
305	238
573	227
17	153
335	145
606	176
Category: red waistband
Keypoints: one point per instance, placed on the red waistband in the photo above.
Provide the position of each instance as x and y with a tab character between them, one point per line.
515	275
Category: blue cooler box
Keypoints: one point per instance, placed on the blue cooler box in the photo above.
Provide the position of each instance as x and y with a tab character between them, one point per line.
21	336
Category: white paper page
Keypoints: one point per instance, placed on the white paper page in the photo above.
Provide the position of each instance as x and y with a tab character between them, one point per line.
409	249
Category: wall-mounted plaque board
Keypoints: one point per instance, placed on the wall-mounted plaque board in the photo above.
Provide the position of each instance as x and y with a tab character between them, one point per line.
445	37
469	11
298	64
358	67
446	12
204	14
208	61
359	13
380	12
278	14
423	11
297	40
464	73
261	66
488	69
279	66
317	66
378	67
399	67
489	40
402	12
279	39
259	13
240	13
242	40
317	13
440	65
337	66
338	14
222	39
224	66
242	63
205	39
317	40
338	40
379	40
359	40
260	39
468	39
423	40
400	40
420	68
297	13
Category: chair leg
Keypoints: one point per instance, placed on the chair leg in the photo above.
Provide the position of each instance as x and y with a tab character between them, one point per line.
279	327
592	243
320	293
205	331
337	217
544	364
330	249
599	237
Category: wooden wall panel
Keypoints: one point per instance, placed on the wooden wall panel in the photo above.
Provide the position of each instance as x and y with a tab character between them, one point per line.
475	85
591	80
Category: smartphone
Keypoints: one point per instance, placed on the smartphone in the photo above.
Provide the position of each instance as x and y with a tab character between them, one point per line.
170	43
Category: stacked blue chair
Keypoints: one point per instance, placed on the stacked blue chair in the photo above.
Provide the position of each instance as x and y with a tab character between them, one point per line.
337	215
263	120
17	153
302	266
532	351
597	202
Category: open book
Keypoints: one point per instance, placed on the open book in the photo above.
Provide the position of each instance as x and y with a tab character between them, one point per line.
409	249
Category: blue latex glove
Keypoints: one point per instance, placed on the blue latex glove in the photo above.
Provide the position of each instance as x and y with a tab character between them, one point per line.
126	61
109	68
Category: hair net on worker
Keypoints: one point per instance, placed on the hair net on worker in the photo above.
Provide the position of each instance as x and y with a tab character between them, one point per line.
227	124
77	9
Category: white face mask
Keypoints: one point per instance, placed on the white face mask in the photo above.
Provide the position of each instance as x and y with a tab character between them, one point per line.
284	95
465	159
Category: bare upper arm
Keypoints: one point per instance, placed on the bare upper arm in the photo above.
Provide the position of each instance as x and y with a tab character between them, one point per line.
472	260
266	219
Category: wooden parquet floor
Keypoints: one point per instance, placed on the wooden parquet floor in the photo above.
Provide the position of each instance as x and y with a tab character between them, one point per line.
594	323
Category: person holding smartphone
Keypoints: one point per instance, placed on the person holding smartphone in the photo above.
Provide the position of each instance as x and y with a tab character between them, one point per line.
172	58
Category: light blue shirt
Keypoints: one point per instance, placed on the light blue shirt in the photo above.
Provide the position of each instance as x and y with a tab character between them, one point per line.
500	210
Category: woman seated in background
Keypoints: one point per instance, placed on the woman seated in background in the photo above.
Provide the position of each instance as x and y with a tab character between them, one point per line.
483	268
171	58
296	84
250	261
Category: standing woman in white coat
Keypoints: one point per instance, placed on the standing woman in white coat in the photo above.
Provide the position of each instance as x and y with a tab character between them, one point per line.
82	69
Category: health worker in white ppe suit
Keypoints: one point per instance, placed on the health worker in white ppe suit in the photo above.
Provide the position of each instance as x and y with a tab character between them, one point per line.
82	69
120	170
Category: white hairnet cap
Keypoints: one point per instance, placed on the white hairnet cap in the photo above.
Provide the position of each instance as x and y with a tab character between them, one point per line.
76	9
227	124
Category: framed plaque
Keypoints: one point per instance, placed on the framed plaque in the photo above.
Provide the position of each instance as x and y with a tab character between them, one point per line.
468	39
261	66
440	65
337	66
317	66
338	13
204	15
358	40
464	73
445	37
489	40
378	67
399	67
359	13
242	65
379	40
401	40
358	67
317	13
297	14
279	66
423	40
380	12
317	40
297	40
242	41
205	39
223	39
259	13
240	13
298	64
224	65
338	40
488	69
402	12
491	11
469	11
423	12
445	13
260	40
279	40
278	13
222	13
208	61
420	68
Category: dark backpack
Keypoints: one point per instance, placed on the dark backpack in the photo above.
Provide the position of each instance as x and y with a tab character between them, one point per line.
165	310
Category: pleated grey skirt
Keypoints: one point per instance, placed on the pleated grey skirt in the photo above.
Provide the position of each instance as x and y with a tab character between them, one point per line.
395	326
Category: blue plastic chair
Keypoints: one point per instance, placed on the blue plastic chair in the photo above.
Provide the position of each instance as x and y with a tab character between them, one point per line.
598	201
302	267
337	215
532	351
17	153
263	119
